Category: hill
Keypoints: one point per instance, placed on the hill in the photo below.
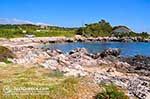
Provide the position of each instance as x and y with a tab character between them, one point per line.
101	28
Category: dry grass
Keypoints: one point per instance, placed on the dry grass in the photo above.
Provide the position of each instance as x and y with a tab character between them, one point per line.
59	87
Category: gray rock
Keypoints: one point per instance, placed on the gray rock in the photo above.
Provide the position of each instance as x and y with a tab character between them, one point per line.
111	52
138	64
136	86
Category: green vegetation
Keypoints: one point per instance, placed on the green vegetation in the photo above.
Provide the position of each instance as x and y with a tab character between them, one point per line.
132	34
16	76
10	33
66	88
14	31
50	33
5	53
56	73
57	86
101	28
111	92
104	28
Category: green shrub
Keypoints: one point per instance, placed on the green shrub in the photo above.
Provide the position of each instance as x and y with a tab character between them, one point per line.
5	53
7	61
101	28
56	73
111	92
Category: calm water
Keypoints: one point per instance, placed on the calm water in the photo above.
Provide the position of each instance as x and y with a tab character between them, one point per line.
128	49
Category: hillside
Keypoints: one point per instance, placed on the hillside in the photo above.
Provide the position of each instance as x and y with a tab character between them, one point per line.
98	29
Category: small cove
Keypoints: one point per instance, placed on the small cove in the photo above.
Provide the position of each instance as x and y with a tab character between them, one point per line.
127	49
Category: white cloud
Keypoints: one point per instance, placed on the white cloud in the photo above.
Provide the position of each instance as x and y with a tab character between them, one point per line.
17	21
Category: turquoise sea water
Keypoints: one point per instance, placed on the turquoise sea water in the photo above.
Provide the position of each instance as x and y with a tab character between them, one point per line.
127	49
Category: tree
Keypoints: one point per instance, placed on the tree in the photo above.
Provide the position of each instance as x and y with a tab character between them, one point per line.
102	28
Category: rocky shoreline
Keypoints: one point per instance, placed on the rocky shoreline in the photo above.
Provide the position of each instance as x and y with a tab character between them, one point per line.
130	73
77	38
18	44
23	43
105	67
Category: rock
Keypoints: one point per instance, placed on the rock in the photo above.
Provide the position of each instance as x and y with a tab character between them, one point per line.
76	73
78	61
103	62
79	50
135	85
69	40
96	56
110	70
76	66
121	66
111	52
54	52
81	57
52	64
139	87
138	64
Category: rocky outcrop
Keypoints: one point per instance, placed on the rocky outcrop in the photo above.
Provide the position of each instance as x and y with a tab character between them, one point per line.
138	64
139	87
78	63
22	42
110	52
55	59
136	86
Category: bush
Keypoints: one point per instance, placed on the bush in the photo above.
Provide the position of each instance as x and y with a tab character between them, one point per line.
5	53
111	92
56	73
101	28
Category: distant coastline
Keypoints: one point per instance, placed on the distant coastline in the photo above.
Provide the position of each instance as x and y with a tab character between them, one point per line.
95	30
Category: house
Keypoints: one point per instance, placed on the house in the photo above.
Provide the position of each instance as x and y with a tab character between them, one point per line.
121	29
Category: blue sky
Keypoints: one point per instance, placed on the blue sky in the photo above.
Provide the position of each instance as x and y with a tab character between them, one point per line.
73	13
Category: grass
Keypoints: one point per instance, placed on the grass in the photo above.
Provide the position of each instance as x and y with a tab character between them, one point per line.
57	86
56	73
20	76
16	76
13	33
55	33
111	92
66	88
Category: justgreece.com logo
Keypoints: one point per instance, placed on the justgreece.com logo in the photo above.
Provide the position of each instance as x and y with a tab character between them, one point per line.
25	91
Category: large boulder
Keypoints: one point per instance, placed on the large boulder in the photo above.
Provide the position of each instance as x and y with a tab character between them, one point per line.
81	57
54	52
79	50
110	52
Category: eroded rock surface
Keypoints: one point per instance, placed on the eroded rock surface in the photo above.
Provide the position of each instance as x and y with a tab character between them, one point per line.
81	63
138	64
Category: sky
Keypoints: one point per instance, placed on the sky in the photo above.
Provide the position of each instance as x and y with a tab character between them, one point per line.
75	13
